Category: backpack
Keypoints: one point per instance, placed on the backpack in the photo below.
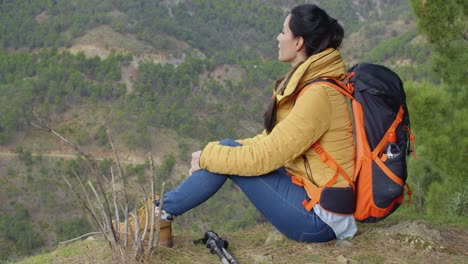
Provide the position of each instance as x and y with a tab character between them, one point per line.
379	111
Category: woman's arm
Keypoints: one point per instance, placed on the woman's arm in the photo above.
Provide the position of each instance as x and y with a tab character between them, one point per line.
252	140
306	123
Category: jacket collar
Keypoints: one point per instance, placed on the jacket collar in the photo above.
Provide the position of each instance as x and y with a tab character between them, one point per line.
327	63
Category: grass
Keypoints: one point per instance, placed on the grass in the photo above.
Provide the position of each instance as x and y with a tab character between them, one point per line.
437	221
369	258
263	244
82	252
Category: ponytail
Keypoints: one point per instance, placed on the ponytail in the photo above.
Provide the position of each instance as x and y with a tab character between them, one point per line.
269	118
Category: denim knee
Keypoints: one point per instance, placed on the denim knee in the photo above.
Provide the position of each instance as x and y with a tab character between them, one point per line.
229	142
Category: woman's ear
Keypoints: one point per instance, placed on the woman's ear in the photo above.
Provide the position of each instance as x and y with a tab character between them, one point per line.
299	43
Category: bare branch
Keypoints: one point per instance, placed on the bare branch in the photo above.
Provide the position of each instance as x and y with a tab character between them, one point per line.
158	218
114	193
89	209
137	241
92	164
150	240
43	126
77	238
101	203
119	169
93	212
146	220
107	221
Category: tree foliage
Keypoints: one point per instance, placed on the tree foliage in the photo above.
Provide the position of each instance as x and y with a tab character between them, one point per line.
440	111
18	234
50	80
72	228
444	24
441	146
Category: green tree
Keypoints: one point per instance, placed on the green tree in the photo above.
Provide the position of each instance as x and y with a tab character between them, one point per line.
440	171
19	232
72	228
444	24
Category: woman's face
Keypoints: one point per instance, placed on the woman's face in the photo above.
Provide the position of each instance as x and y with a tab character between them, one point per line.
288	45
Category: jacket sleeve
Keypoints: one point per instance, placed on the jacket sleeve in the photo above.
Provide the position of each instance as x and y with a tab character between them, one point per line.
308	120
253	140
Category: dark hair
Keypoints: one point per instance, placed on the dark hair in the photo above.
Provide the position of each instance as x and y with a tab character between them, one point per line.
319	30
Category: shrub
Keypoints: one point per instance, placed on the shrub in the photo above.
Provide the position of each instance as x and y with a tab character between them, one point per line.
72	228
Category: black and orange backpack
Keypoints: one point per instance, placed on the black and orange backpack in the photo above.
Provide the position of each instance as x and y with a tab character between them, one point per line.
380	113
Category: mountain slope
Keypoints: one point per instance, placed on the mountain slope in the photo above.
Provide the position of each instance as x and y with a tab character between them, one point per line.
164	77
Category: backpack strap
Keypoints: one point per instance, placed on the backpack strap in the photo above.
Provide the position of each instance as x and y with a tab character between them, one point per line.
410	193
313	189
411	147
330	162
378	149
338	200
346	89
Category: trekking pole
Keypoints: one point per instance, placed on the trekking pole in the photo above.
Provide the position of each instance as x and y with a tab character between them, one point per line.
229	256
218	246
221	244
214	248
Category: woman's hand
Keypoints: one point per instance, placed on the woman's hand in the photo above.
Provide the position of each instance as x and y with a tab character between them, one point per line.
195	163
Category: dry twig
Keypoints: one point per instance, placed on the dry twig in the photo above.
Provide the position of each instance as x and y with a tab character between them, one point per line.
78	238
106	218
158	219
100	204
119	169
91	162
116	209
90	205
150	240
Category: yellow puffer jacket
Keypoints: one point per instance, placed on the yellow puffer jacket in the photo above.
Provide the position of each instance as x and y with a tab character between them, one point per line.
319	113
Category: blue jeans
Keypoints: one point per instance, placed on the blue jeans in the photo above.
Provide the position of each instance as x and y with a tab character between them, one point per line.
273	194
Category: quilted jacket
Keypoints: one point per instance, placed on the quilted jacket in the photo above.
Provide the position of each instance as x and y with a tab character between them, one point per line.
319	113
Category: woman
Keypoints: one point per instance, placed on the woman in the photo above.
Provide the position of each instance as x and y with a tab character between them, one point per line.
264	166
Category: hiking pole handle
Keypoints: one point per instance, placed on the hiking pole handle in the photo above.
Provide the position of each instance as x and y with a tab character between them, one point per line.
215	249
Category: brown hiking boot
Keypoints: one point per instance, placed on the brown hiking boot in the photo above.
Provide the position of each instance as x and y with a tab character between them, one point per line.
165	230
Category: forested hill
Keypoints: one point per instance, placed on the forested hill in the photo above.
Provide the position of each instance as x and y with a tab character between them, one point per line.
167	59
167	76
242	29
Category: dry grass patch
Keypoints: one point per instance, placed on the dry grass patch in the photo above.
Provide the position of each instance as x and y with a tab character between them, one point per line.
263	244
